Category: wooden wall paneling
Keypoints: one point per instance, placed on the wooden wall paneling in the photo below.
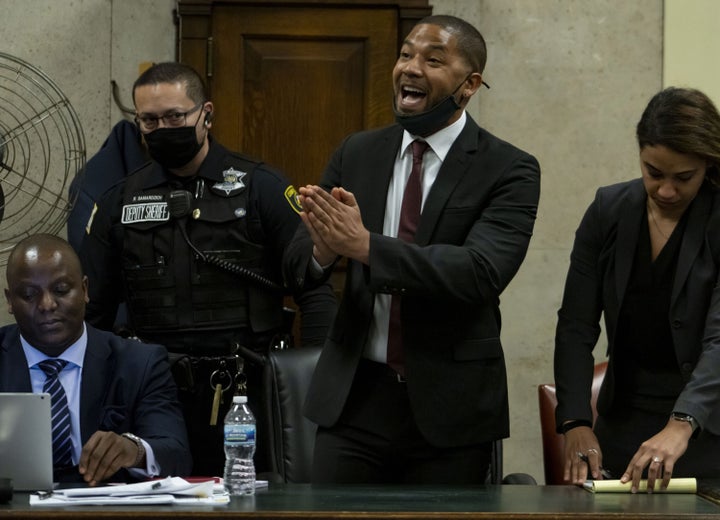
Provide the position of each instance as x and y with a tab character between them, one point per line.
294	83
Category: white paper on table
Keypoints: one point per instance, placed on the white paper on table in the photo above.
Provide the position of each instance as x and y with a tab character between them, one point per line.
169	485
171	490
136	500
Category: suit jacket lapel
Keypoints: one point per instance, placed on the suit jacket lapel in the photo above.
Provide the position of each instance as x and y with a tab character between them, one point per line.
452	170
97	371
12	357
378	169
627	237
693	238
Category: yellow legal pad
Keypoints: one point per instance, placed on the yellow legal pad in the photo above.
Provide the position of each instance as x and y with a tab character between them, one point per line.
676	485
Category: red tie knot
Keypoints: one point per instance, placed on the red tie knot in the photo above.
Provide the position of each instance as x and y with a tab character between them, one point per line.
418	148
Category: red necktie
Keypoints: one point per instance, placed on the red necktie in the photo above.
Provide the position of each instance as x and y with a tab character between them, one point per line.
409	218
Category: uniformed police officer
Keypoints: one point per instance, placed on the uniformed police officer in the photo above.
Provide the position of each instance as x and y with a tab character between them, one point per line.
192	242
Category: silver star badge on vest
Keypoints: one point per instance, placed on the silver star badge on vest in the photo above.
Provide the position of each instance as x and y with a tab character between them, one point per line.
232	181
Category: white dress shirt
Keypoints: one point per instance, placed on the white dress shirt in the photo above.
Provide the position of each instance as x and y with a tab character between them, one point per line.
439	146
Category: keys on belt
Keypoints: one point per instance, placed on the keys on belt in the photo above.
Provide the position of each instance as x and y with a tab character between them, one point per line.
229	371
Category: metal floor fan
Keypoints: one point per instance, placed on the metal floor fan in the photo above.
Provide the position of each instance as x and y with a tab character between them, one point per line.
42	148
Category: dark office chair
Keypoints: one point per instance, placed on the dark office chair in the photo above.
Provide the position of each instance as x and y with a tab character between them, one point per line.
290	436
495	474
553	442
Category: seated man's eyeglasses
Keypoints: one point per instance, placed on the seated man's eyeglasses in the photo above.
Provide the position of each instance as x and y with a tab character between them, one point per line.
172	119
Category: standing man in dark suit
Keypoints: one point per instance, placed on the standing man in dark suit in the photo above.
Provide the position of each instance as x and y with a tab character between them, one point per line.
433	415
120	395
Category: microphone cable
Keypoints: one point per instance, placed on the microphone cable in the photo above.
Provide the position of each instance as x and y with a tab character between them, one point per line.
179	206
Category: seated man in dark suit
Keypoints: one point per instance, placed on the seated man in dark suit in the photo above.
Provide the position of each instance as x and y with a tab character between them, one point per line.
115	409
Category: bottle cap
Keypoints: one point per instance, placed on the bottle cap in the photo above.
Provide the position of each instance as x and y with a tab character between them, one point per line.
240	399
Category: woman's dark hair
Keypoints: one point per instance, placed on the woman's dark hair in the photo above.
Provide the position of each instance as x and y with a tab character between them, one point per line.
174	72
686	121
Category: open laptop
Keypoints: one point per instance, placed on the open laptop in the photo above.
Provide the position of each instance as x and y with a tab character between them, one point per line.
26	441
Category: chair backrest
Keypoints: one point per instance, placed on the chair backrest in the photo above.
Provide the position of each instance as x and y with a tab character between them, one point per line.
290	436
495	471
553	441
495	474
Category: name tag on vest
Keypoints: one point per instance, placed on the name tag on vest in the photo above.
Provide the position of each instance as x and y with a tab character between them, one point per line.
148	212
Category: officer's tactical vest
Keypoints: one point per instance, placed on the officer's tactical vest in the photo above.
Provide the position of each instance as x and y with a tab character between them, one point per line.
169	287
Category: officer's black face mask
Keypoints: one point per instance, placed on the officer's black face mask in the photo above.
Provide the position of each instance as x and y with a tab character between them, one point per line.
432	120
173	147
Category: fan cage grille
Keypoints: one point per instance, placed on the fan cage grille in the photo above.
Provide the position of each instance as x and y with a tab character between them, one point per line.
42	148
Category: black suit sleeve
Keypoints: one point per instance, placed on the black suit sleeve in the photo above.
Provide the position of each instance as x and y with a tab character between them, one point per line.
157	417
100	255
578	326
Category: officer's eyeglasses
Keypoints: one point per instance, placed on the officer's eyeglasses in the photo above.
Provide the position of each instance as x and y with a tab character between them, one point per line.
171	119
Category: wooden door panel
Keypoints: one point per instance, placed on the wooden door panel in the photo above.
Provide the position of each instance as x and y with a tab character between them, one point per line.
296	80
292	71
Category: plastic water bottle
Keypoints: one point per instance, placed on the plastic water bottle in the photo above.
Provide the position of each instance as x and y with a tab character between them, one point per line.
239	477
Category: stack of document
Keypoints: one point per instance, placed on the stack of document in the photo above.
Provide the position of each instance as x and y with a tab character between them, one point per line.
171	490
676	485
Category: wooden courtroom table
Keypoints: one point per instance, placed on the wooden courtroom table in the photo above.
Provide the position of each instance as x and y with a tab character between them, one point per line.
303	501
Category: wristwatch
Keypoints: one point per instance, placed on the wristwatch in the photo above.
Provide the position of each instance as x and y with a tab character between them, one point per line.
569	425
686	418
140	447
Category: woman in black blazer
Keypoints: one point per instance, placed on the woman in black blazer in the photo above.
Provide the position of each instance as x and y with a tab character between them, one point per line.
647	256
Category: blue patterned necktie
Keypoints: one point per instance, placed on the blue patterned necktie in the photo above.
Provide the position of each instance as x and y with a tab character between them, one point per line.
61	440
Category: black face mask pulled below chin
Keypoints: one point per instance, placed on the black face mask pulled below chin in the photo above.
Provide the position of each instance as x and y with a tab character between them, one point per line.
173	147
430	121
